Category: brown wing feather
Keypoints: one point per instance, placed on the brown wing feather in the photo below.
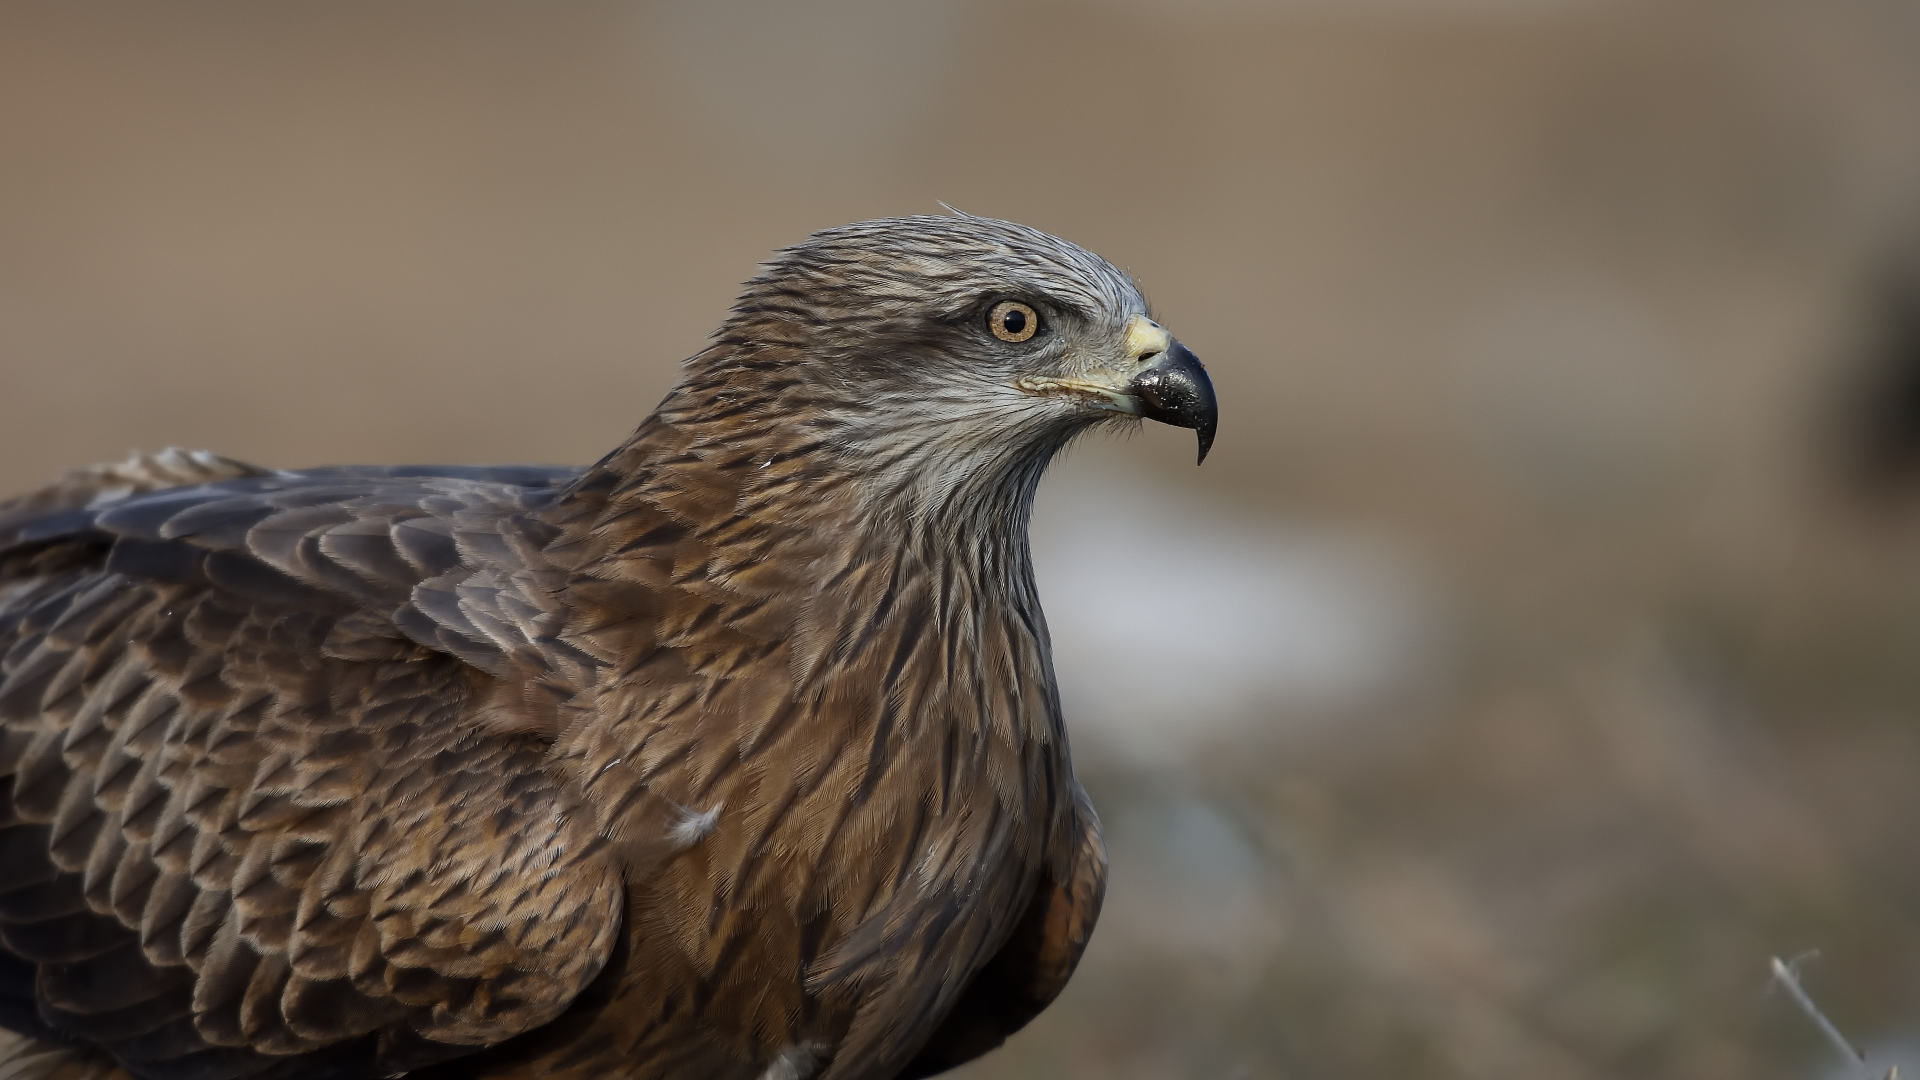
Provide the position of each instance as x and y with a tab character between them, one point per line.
234	830
92	485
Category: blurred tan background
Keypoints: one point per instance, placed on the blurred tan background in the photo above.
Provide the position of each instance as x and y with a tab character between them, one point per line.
1551	653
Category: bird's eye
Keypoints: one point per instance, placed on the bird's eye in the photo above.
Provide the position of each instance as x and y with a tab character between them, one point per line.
1011	320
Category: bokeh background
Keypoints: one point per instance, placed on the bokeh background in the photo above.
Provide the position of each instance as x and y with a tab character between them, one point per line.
1548	652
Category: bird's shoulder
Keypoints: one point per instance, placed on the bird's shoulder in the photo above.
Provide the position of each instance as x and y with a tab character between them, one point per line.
93	485
445	558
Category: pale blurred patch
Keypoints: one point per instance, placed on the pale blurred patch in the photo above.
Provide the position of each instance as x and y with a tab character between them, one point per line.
1180	621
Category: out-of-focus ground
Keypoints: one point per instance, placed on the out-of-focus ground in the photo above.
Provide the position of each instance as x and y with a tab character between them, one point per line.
1539	652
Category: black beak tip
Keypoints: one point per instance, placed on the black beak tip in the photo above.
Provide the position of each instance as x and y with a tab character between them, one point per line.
1176	390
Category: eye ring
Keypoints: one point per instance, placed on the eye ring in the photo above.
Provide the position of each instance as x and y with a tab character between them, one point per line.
1012	321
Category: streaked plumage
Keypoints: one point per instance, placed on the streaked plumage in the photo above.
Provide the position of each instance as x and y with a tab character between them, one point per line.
735	755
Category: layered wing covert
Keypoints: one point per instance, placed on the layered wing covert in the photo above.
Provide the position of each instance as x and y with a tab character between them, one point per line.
253	813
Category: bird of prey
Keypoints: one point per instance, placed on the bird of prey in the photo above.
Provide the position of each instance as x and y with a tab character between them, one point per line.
735	755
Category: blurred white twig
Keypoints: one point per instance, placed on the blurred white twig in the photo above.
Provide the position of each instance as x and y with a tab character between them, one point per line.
1784	974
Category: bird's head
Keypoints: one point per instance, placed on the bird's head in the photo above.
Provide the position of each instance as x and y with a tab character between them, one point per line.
953	346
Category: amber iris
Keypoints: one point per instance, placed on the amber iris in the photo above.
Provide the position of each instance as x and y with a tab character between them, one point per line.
1011	320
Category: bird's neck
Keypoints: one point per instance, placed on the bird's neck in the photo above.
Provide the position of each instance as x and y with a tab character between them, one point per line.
758	474
788	540
772	630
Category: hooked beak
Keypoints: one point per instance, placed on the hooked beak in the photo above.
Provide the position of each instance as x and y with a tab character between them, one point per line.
1169	385
1174	389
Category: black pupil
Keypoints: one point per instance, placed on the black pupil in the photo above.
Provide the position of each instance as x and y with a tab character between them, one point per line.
1014	320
